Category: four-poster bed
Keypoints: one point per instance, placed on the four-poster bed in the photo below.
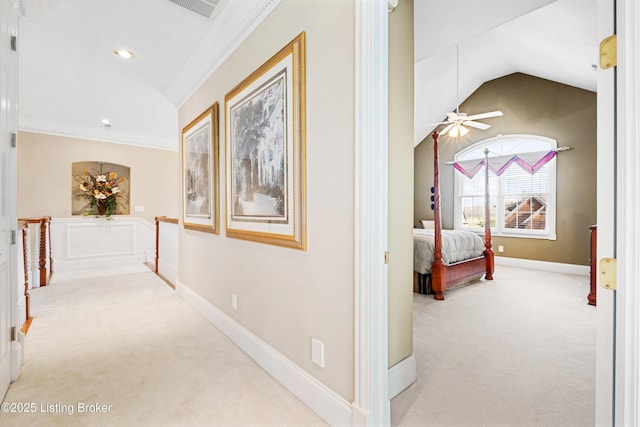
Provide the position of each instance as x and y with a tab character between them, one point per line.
454	272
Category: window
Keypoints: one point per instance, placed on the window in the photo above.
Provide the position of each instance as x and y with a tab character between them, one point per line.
521	204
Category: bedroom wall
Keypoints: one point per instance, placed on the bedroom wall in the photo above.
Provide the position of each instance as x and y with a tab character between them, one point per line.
400	182
288	296
531	106
44	174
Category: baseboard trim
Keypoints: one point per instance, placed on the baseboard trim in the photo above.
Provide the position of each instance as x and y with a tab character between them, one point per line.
554	267
402	375
323	401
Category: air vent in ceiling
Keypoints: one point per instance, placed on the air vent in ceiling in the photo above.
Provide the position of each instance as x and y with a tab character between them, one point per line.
201	7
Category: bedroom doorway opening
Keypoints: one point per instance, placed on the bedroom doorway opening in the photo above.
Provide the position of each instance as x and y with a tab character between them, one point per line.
604	186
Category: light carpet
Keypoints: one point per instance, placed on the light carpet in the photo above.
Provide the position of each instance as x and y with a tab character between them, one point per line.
517	351
129	346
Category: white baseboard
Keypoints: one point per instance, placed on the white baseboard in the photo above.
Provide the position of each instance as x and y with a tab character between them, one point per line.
402	375
554	267
323	401
169	272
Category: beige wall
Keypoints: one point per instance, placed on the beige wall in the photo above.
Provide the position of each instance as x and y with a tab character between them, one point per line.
44	174
540	107
400	182
287	296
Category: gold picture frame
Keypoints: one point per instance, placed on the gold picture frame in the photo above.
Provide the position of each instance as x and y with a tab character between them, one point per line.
200	171
265	138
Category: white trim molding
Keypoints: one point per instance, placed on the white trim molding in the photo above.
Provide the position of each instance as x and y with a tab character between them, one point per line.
371	406
627	355
103	135
233	26
554	267
402	375
323	401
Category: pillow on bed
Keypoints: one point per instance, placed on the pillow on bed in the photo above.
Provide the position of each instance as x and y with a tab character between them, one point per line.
427	223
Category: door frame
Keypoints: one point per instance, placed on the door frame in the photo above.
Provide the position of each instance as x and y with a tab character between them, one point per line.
627	296
371	406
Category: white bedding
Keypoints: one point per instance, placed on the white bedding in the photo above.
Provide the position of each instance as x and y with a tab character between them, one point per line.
456	246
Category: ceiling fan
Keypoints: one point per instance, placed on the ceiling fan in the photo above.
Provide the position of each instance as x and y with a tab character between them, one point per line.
457	121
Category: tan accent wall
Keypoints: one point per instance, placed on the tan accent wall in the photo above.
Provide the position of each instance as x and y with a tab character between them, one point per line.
44	174
531	106
285	296
400	182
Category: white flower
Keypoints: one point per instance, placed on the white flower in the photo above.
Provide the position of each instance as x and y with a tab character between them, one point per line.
100	196
101	178
115	190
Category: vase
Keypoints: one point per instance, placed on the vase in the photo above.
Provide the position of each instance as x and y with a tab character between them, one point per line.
102	207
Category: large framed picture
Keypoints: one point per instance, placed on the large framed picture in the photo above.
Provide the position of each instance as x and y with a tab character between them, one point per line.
200	172
265	152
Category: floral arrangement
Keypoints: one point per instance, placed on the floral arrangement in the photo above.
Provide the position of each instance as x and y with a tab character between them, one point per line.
101	190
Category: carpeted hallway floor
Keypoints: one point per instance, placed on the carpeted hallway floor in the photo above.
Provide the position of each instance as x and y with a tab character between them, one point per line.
518	351
131	349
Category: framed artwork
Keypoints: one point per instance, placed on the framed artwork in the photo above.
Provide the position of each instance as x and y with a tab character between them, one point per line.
200	207
265	152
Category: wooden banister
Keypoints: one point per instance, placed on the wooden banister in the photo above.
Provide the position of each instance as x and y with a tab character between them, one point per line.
23	226
44	243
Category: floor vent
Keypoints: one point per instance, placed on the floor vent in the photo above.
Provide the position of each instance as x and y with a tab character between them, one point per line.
201	7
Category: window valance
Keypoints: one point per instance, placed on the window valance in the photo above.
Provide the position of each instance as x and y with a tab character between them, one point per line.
531	162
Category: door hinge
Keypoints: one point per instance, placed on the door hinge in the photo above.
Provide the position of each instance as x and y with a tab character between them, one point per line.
386	257
13	237
609	52
14	43
14	333
13	140
608	272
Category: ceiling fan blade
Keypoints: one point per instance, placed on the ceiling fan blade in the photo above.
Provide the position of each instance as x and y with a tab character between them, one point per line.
485	115
477	125
447	128
435	124
452	116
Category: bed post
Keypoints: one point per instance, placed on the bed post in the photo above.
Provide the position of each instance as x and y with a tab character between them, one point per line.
488	251
438	271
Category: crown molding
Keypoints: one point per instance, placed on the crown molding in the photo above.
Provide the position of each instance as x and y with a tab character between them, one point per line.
102	135
233	26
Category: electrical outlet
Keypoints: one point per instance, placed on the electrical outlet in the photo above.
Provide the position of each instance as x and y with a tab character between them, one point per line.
234	301
500	248
317	352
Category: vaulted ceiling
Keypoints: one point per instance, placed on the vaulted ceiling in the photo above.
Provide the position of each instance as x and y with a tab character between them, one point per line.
70	79
459	48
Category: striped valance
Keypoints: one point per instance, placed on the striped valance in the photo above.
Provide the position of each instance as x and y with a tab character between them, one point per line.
531	162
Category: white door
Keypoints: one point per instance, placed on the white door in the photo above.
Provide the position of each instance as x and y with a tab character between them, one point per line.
8	79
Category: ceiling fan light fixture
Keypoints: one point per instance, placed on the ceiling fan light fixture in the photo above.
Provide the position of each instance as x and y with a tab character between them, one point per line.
124	53
463	130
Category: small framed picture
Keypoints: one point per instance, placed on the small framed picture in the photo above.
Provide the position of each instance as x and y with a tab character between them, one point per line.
200	172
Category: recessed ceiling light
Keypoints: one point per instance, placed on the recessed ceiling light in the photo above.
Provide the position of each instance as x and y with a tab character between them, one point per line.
106	123
124	53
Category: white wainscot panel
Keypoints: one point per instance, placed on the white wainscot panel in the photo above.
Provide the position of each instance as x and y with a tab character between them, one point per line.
88	242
